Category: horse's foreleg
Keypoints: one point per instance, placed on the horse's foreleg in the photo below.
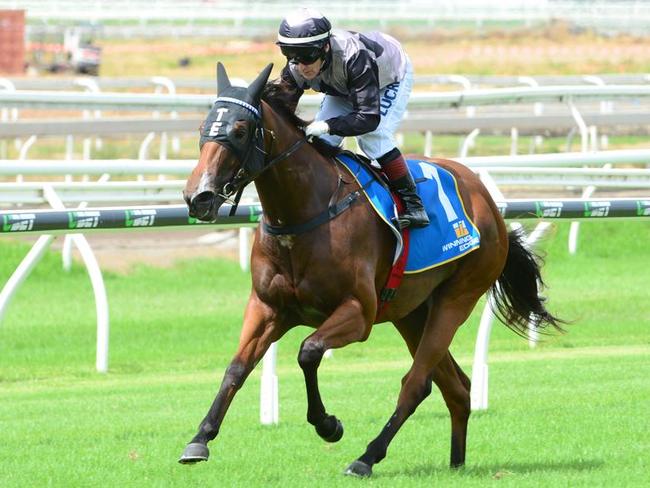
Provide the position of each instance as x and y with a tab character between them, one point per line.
347	324
260	329
441	325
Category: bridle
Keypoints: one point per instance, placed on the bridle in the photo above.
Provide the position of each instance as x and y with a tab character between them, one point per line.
254	162
254	156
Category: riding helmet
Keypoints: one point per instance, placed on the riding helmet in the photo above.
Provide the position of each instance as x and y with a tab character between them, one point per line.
303	35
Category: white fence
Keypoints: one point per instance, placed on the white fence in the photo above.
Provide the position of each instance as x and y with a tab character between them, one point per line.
631	113
192	17
434	80
417	101
626	121
119	167
528	170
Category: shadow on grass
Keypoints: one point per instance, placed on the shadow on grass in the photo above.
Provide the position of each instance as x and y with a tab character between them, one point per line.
497	471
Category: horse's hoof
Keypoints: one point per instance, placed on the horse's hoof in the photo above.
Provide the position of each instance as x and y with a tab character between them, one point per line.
358	469
331	430
194	453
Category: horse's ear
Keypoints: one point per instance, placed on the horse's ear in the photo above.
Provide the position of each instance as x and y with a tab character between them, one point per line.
222	79
256	87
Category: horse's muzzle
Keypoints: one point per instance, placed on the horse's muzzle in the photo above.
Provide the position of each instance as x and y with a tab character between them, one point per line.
204	206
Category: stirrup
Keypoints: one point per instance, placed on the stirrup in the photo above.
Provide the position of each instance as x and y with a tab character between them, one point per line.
400	223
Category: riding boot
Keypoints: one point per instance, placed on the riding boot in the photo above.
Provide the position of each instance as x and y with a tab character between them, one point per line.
401	181
414	215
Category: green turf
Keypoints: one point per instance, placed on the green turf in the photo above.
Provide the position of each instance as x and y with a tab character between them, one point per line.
569	413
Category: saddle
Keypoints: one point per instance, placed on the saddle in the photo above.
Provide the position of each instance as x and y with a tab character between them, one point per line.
336	152
365	161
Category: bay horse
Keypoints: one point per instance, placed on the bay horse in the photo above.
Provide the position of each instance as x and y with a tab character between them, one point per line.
327	272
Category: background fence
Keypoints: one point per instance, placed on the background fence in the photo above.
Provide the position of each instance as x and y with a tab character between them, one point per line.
251	18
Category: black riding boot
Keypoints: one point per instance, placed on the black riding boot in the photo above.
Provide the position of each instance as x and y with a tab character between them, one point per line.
400	180
414	215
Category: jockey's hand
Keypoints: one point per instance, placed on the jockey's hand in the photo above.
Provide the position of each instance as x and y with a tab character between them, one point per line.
317	128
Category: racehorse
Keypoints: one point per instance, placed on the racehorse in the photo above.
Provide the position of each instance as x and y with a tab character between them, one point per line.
325	271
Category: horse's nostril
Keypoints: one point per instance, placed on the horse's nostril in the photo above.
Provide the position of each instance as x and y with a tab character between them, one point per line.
201	205
203	199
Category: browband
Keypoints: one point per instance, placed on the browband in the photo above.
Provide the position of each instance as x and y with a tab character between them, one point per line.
240	103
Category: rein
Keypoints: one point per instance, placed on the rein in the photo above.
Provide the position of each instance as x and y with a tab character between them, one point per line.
241	180
283	155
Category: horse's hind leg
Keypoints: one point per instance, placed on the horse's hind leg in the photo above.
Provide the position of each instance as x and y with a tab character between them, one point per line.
349	323
451	310
450	379
461	374
454	386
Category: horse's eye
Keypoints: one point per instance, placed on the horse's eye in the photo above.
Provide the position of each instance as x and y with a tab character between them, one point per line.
239	130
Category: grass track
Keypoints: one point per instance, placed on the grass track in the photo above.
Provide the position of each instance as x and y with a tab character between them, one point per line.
129	432
568	413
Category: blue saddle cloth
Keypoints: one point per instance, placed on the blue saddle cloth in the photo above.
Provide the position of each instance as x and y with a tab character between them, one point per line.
450	235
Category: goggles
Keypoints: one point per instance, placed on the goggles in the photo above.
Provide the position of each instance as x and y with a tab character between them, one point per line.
302	55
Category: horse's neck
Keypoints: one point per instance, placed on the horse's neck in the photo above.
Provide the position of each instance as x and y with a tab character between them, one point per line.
298	187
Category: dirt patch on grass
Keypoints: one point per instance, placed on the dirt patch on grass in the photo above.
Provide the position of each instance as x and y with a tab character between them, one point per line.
121	251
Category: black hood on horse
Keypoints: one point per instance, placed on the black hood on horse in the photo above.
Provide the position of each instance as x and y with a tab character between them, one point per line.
233	106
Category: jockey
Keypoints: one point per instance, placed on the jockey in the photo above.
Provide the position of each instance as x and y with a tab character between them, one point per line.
367	80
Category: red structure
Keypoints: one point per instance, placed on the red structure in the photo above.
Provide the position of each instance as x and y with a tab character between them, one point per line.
12	41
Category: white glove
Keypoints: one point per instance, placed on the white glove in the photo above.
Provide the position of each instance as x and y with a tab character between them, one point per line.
317	128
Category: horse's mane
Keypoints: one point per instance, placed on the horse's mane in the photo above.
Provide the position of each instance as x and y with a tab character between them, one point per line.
282	100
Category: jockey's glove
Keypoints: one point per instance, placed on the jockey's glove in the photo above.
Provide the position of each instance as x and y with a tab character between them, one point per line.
317	128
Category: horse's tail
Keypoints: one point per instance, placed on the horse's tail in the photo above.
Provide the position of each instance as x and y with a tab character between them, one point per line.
515	294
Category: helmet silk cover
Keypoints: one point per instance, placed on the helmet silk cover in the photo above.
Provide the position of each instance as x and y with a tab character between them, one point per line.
305	27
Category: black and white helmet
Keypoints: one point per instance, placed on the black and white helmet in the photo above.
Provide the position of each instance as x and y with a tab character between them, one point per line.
303	35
